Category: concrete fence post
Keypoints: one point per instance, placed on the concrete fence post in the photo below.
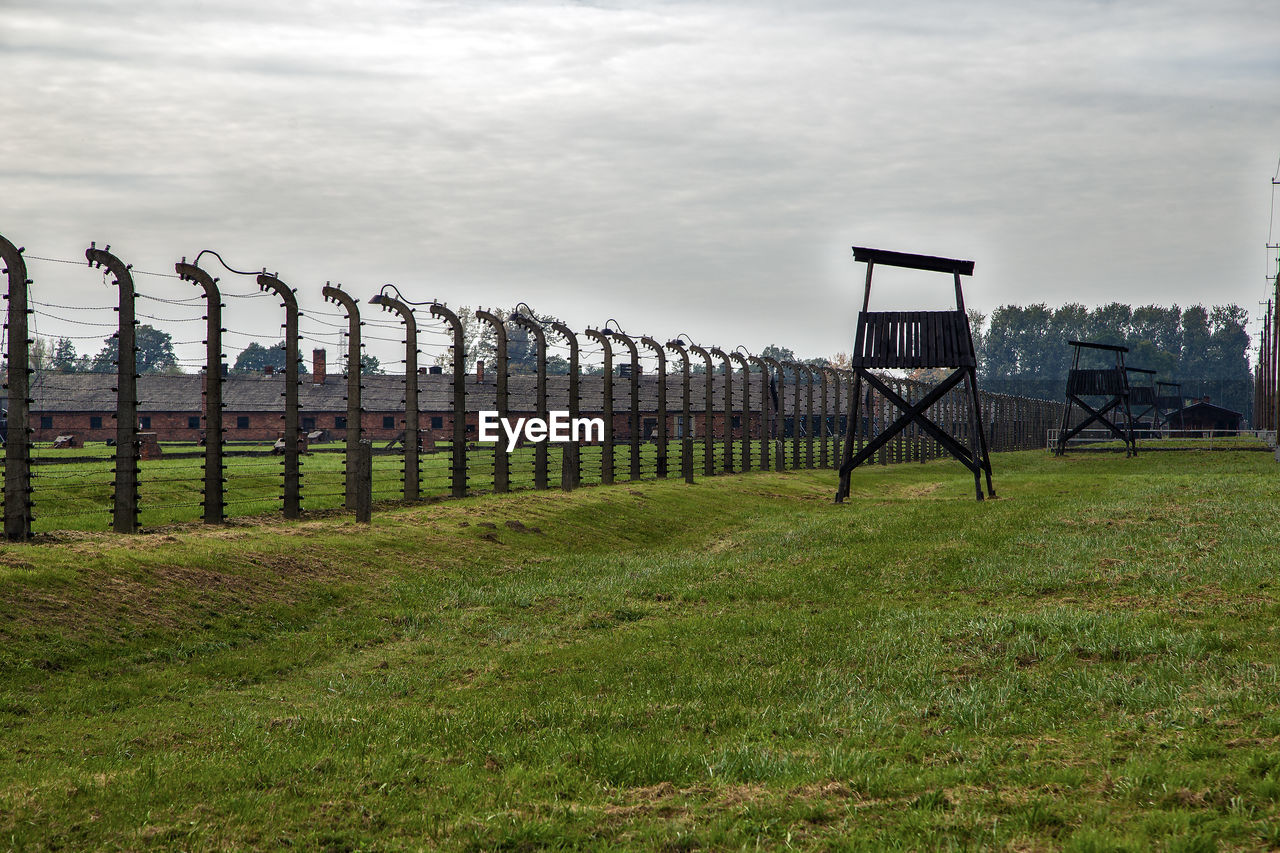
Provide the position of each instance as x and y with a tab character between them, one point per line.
606	445
214	469
726	431
633	418
501	459
778	408
767	413
824	431
708	446
362	480
412	419
795	413
745	464
662	437
292	455
355	411
808	414
540	453
125	502
686	430
571	459
17	450
458	448
833	430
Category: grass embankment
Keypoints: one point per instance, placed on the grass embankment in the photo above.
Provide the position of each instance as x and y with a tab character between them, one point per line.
73	489
1088	662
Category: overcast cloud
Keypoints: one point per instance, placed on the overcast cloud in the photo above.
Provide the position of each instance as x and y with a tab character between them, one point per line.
697	167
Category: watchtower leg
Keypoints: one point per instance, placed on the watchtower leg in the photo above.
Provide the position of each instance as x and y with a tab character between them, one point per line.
971	379
1066	413
975	435
850	438
1131	448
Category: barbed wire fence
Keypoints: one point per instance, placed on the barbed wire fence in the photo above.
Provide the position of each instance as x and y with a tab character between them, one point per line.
255	444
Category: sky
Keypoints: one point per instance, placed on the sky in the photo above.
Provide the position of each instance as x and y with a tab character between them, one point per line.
679	167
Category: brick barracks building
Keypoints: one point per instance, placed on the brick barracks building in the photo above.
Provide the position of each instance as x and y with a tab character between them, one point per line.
172	405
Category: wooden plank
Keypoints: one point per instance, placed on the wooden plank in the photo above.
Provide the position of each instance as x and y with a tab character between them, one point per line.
859	340
895	326
1091	345
904	350
912	261
935	338
948	341
875	337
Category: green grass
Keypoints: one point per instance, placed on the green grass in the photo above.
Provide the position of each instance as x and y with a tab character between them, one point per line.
1087	662
76	492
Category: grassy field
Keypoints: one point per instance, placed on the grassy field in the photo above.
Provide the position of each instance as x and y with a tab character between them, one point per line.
1087	662
73	488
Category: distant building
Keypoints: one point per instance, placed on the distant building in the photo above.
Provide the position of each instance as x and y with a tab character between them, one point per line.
1202	416
172	405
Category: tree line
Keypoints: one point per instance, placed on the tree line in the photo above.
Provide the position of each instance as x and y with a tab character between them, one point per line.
1022	349
156	355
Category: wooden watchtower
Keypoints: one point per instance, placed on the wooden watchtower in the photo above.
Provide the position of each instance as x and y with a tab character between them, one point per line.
908	340
1142	396
1168	401
1109	383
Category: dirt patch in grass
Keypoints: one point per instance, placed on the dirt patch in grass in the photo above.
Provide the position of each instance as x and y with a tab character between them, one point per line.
719	546
665	798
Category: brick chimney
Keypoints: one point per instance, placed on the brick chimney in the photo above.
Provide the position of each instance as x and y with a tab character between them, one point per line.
268	369
317	366
479	369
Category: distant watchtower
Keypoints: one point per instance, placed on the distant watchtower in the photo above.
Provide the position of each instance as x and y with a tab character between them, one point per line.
1111	384
1142	397
887	340
1168	401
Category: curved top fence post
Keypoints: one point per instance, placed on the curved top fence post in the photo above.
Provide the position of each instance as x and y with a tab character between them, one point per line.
727	430
634	416
808	416
766	413
606	449
214	505
746	407
571	460
661	355
779	400
833	431
125	504
501	460
292	470
795	369
458	444
686	430
338	296
540	453
708	450
17	451
410	443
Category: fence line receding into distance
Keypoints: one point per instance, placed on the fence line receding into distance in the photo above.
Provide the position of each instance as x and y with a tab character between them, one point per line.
206	444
